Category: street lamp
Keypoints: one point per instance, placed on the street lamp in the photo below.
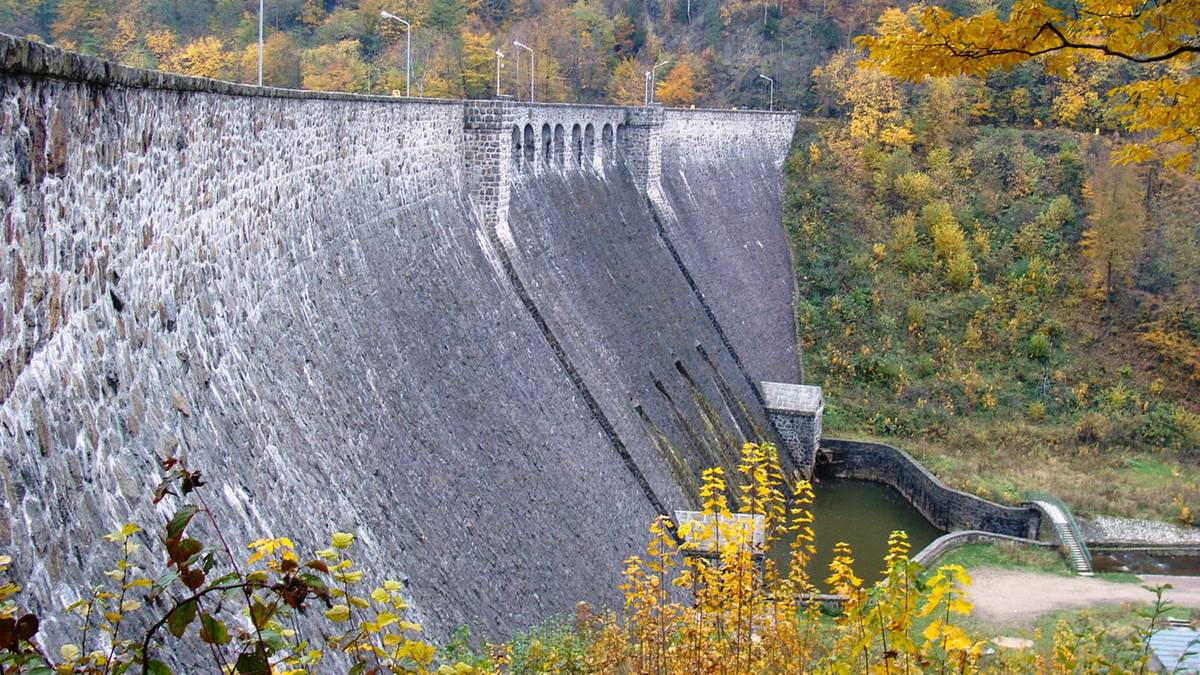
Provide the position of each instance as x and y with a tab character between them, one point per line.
517	43
407	50
771	100
499	65
646	89
653	73
260	41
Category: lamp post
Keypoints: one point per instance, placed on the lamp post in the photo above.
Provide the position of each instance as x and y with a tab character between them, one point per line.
407	50
646	90
499	65
260	41
653	74
517	43
771	100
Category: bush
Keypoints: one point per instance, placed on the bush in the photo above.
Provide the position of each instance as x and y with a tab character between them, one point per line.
1172	426
1037	411
1038	348
960	271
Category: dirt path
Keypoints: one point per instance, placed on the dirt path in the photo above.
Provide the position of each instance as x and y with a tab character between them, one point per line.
1003	596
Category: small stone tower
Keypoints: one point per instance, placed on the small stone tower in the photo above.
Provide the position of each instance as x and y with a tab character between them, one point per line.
795	410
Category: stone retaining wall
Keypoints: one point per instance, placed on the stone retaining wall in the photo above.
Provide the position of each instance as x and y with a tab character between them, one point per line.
939	547
945	507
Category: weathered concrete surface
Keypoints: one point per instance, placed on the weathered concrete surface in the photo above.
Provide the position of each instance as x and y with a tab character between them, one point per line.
723	187
292	293
587	250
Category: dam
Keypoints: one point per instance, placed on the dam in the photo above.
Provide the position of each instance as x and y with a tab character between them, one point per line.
494	340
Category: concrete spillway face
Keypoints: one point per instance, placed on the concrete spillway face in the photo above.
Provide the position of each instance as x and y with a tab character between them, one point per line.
588	251
310	319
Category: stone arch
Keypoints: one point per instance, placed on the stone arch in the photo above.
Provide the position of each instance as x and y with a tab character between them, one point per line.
529	148
559	150
589	144
547	149
515	152
576	146
606	142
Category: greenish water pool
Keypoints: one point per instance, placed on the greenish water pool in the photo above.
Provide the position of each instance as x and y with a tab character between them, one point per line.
862	514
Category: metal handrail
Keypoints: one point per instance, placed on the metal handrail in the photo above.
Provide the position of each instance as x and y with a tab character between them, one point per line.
1072	524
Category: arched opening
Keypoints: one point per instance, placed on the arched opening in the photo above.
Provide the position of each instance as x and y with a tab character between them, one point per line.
589	145
529	148
515	153
546	148
606	142
619	140
576	146
558	146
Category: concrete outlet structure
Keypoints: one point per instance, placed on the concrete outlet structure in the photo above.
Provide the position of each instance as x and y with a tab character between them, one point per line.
796	410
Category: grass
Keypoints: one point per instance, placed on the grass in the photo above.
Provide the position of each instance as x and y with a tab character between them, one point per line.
1006	555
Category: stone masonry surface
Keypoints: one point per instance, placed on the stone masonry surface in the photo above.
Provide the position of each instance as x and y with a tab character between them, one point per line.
299	292
946	508
721	177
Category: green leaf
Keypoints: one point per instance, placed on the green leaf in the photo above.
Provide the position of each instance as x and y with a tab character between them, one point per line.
181	618
212	630
156	667
260	614
253	663
180	520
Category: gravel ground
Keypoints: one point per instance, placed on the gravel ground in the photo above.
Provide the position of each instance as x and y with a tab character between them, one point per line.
1114	530
1006	597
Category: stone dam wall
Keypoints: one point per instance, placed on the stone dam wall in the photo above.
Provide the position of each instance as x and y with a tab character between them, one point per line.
722	208
494	360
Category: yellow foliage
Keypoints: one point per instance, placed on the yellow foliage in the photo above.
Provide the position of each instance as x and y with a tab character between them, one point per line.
927	40
205	57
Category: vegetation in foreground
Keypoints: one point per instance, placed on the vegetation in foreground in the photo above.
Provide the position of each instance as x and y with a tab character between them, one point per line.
276	611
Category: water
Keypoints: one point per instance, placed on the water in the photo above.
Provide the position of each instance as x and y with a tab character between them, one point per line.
1142	562
862	514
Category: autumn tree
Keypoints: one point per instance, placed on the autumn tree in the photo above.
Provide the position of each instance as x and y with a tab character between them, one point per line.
335	67
627	85
205	57
1161	36
478	59
875	100
281	62
1116	228
683	85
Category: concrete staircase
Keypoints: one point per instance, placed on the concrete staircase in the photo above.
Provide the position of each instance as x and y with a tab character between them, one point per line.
1068	533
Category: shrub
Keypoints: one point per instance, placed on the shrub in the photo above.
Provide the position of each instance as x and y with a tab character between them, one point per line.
915	189
1038	348
960	271
1037	411
1172	426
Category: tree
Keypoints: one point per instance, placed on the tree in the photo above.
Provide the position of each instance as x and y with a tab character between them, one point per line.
478	64
281	62
1116	228
683	85
875	99
334	67
627	85
205	57
930	41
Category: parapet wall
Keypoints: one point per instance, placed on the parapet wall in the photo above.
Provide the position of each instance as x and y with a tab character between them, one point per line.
947	508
